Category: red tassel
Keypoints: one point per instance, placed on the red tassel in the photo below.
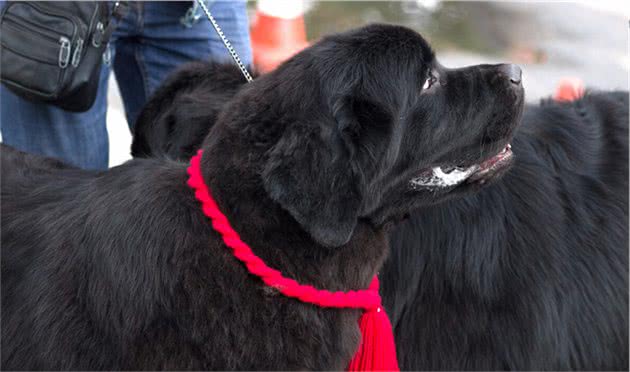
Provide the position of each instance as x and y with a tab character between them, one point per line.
377	351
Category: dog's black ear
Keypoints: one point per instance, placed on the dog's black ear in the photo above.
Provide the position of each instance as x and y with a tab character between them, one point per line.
365	127
318	175
316	185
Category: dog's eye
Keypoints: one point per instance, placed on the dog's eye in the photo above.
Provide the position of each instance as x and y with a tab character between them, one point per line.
429	82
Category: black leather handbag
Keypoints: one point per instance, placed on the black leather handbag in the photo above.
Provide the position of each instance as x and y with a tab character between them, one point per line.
51	52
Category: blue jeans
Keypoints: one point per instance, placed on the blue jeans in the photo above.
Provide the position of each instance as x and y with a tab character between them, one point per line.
150	41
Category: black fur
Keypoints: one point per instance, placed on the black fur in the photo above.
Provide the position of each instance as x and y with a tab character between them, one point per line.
121	270
528	274
183	104
532	272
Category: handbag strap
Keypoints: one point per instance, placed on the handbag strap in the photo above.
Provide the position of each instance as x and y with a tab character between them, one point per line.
104	32
118	12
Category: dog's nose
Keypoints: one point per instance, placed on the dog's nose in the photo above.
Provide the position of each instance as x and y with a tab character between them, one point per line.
513	72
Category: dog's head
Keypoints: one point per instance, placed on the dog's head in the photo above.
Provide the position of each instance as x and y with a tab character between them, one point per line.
368	125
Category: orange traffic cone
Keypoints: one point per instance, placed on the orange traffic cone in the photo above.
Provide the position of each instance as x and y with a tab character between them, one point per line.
569	89
277	32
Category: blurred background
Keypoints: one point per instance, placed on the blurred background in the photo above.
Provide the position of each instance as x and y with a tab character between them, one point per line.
549	40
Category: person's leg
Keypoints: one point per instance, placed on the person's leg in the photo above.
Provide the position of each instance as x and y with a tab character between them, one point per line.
127	70
168	39
232	17
79	139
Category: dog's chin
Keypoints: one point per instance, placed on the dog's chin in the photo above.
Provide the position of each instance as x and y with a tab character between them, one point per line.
448	179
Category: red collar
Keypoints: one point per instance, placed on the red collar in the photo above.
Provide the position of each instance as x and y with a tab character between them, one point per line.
375	353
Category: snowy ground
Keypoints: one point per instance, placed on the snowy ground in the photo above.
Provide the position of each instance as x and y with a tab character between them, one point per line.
588	40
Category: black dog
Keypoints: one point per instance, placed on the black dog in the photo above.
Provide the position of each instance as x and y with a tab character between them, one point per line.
532	272
121	270
529	274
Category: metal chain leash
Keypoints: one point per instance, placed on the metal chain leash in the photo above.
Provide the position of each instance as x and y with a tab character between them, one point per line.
226	42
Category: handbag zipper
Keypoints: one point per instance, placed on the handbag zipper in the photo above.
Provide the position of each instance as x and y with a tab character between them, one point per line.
78	30
16	21
76	56
30	25
65	43
99	32
64	52
61	60
71	18
64	48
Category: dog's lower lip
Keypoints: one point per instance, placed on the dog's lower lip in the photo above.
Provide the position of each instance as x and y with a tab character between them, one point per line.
455	175
494	163
505	153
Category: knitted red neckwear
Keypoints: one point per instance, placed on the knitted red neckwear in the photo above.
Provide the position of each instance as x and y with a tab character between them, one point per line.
377	351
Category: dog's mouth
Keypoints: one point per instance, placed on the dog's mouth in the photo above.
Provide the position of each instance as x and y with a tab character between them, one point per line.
449	176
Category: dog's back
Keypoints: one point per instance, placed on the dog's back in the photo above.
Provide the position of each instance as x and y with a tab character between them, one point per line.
19	166
67	253
588	136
